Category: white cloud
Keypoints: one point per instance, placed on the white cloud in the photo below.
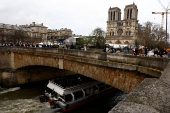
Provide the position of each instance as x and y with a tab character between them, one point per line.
82	16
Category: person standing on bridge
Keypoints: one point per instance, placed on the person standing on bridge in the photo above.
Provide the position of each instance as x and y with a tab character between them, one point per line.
146	51
85	48
136	51
71	47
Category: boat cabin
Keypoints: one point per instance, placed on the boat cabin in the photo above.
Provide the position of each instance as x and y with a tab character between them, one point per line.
70	89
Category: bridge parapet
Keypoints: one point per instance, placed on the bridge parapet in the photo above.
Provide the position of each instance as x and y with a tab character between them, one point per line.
150	62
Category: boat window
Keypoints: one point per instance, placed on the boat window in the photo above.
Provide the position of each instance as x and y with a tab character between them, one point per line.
102	88
101	84
56	95
49	90
68	98
95	89
78	94
107	86
88	91
61	98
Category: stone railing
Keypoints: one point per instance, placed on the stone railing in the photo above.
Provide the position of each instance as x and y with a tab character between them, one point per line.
150	62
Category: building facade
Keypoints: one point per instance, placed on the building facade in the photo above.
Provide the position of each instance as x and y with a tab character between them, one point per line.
14	33
32	34
58	35
122	31
39	32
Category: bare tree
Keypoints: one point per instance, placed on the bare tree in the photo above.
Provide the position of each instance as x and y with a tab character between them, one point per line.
20	35
151	35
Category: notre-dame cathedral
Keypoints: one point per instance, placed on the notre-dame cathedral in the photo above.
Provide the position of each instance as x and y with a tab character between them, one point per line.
122	31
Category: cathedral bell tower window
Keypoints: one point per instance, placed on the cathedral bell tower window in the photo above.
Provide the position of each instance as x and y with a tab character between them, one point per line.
114	16
118	17
131	14
126	33
111	16
113	34
128	14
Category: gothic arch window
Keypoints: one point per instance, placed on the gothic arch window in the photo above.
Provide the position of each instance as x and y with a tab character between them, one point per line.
114	16
131	14
118	16
126	32
127	13
111	16
113	34
110	33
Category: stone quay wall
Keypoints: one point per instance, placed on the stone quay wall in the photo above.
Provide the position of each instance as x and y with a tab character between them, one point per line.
151	96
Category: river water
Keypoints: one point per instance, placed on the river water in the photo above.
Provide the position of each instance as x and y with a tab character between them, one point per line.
25	99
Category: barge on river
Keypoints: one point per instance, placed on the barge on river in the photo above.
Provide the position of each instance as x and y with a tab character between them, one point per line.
66	93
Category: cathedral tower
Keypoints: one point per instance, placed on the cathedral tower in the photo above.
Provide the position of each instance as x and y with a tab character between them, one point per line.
130	12
114	14
122	31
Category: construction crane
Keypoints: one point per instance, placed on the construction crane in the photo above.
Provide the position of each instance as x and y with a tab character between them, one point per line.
162	13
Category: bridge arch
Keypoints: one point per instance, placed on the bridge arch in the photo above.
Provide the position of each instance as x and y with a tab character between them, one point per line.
124	80
23	60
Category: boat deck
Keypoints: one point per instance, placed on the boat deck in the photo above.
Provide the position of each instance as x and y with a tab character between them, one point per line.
66	85
71	81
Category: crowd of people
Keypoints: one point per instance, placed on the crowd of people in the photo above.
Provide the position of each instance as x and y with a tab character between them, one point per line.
156	52
109	49
143	51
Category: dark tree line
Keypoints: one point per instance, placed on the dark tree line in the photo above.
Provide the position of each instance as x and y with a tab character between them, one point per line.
15	36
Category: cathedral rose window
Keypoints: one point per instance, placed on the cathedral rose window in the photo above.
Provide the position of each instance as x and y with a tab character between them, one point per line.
120	31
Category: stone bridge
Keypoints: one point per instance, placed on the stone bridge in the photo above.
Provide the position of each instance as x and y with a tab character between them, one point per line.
124	72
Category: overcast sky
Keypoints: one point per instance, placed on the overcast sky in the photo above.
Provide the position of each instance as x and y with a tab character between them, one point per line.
81	16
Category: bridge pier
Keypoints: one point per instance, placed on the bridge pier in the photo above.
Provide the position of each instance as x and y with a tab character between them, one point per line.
61	64
8	79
